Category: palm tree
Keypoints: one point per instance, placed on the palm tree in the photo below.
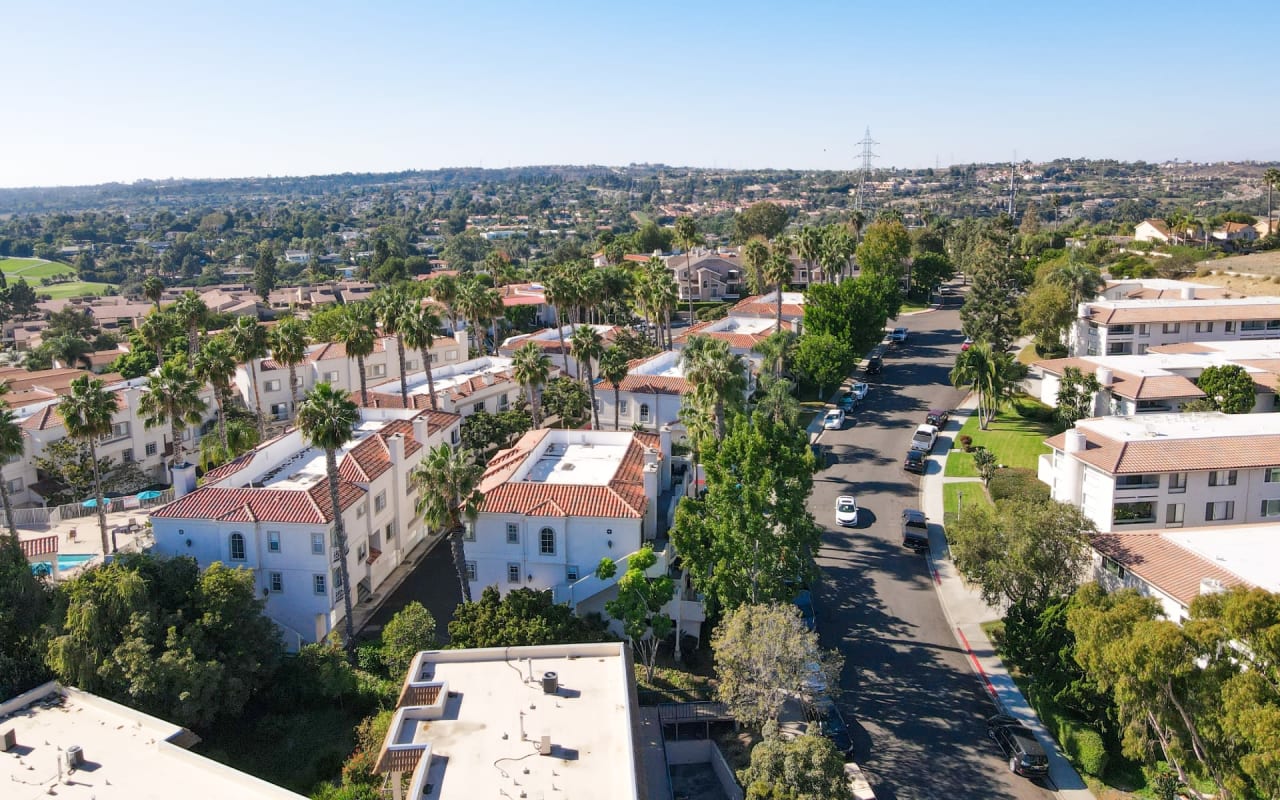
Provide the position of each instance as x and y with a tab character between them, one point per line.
11	445
588	344
479	304
531	368
1272	179
153	289
192	311
559	293
357	334
449	481
326	419
420	329
444	290
392	307
215	364
1082	281
666	296
288	342
686	239
777	402
241	438
717	375
87	411
613	370
777	270
249	343
173	397
776	348
754	255
70	351
809	248
156	330
838	247
989	374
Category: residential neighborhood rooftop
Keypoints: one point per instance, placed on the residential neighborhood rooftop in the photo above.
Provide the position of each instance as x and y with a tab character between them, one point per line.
1123	312
459	379
1176	442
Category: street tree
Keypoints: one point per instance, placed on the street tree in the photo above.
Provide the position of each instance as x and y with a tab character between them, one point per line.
1229	388
884	249
990	312
639	603
1046	312
823	360
853	310
807	767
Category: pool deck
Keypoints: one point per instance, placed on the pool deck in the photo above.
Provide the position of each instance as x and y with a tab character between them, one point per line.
88	539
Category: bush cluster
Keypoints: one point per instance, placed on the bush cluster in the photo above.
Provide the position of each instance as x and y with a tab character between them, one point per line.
1014	483
1082	743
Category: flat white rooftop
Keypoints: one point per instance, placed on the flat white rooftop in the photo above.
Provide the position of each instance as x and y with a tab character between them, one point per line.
745	325
1250	551
1200	425
666	364
497	713
302	468
1162	364
128	755
1179	303
450	376
576	463
1230	349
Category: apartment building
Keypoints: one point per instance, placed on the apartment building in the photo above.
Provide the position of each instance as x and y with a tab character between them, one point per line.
765	306
1168	470
465	388
269	510
1161	289
329	363
651	395
548	339
1132	327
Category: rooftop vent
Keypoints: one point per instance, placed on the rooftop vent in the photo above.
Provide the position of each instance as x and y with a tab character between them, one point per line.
550	682
567	466
544	746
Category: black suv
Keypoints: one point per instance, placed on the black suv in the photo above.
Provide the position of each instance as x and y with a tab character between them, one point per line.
1026	756
874	365
914	462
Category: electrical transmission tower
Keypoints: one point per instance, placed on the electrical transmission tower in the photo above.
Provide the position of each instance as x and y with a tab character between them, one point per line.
859	201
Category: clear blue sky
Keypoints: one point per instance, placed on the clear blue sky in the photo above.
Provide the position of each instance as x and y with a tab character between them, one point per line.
96	91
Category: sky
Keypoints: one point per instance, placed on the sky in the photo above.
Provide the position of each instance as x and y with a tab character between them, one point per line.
96	92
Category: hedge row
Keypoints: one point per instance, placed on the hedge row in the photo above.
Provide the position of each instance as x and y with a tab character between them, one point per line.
1015	483
1082	743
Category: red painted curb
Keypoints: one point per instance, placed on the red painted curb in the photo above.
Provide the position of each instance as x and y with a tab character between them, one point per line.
937	579
976	664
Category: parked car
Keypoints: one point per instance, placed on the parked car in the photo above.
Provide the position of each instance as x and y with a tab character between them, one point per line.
899	335
859	390
847	511
925	437
847	401
834	420
937	418
915	530
828	722
914	462
874	365
1026	756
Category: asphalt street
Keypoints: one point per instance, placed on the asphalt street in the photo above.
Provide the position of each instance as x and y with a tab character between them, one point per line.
913	704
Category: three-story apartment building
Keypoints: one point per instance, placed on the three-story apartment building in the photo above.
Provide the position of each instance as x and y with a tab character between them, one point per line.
1132	327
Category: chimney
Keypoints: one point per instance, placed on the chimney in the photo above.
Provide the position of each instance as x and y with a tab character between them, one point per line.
1188	293
1076	441
184	479
395	444
420	428
664	440
1104	376
1084	311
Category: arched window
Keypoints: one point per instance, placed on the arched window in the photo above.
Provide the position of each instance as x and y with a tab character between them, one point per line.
237	547
547	542
644	412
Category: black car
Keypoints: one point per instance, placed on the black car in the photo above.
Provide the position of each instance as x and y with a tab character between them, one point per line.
1026	756
874	365
914	462
828	722
915	530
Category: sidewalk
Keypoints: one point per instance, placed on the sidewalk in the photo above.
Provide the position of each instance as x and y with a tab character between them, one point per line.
966	612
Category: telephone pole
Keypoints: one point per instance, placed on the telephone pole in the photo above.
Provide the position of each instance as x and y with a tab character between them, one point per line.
859	200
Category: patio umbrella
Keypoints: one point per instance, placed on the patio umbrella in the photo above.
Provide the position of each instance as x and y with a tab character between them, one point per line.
150	494
91	503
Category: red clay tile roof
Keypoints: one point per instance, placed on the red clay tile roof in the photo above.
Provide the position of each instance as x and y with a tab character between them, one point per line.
309	506
1183	347
456	392
738	341
654	384
1200	312
1126	384
48	417
337	350
1162	563
755	306
1175	455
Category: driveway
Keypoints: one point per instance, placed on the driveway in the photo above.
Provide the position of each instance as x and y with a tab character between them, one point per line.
915	708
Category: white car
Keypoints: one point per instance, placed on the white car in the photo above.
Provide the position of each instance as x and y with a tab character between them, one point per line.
847	511
834	420
859	390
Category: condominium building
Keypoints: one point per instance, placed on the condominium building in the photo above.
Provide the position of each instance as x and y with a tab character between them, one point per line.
1132	327
270	510
1168	470
549	340
465	388
651	395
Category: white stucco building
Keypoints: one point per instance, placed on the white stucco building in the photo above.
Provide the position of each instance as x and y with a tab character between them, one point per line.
1168	470
464	388
548	340
651	395
1132	327
269	510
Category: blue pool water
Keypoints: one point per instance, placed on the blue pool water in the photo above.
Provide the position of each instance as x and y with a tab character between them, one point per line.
65	562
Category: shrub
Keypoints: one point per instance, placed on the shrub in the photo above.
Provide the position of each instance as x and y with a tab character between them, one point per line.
1082	743
1014	483
966	443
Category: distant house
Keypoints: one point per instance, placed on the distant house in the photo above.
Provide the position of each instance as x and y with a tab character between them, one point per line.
1152	230
1235	232
1264	228
297	256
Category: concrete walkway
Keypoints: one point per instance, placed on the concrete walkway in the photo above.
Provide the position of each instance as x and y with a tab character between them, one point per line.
966	611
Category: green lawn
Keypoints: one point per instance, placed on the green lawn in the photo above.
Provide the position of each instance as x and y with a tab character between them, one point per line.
973	491
913	305
73	289
33	269
1015	438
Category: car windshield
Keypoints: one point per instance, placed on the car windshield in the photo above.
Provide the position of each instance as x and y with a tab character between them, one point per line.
922	436
833	414
847	507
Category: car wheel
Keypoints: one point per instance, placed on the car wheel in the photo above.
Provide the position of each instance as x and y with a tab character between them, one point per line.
1013	765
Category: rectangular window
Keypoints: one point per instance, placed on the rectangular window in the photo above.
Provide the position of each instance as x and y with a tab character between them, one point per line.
273	386
380	502
1144	329
120	430
1222	477
237	547
1204	327
1272	475
454	437
622	406
503	402
410	366
361	511
1119	348
15	484
1114	567
547	542
1119	330
468	532
1137	482
390	532
1134	513
152	448
1172	327
644	412
1271	508
513	533
435	358
318	584
471	570
273	541
571	573
280	411
331	377
1174	514
317	543
1177	482
1223	509
362	551
1253	325
1230	326
376	370
276	581
452	355
513	573
127	456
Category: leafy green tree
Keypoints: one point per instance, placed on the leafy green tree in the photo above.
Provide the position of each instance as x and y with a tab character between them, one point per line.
68	462
638	604
1046	313
752	535
87	411
1229	388
853	310
985	462
521	618
990	312
24	610
808	767
409	631
823	360
565	398
1076	391
931	270
762	219
884	248
764	656
1022	551
264	271
326	419
449	482
1038	643
483	431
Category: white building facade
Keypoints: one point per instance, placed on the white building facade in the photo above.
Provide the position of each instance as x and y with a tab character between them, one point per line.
1132	327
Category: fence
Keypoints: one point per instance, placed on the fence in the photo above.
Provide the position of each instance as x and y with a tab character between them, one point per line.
46	517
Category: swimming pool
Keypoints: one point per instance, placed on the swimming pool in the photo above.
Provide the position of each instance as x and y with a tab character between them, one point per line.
66	561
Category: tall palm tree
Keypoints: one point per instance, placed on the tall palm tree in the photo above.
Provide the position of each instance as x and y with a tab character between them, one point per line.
560	294
358	335
809	248
531	368
642	295
444	290
613	369
156	330
666	296
776	348
215	364
1082	281
173	396
420	329
989	374
588	344
838	247
479	304
686	239
777	270
192	312
288	342
1272	179
449	481
11	445
326	419
241	438
249	343
153	289
755	254
717	375
87	411
392	307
